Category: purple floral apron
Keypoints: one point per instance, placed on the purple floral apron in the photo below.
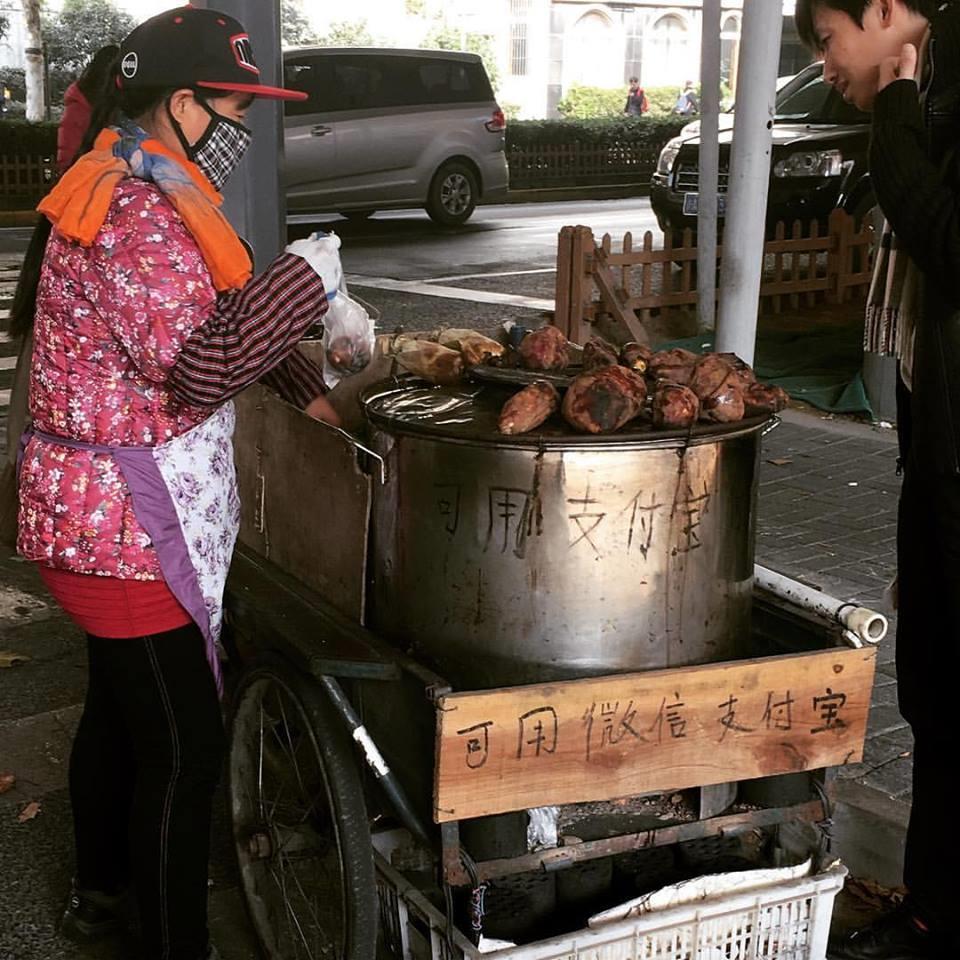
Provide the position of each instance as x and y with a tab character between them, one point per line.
184	495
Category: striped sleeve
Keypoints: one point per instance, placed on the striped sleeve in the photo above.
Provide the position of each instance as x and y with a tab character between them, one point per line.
297	379
249	333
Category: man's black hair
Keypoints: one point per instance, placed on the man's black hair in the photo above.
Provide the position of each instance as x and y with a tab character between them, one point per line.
854	9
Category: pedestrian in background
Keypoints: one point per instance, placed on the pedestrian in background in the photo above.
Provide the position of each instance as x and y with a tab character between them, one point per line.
637	104
900	60
687	103
78	103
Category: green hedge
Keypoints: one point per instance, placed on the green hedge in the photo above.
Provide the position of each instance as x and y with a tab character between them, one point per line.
642	131
22	138
583	103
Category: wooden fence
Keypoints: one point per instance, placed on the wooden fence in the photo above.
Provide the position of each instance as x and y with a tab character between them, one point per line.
805	268
580	164
25	179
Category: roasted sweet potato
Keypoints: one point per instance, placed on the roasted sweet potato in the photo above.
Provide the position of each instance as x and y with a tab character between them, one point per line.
529	408
764	398
675	406
719	388
603	400
475	347
636	356
674	366
545	349
431	361
741	367
598	353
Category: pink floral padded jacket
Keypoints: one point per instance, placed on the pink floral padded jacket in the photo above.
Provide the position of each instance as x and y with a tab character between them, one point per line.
111	321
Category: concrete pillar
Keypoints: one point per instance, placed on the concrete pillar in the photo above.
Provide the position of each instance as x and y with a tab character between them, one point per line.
555	65
709	164
254	200
749	178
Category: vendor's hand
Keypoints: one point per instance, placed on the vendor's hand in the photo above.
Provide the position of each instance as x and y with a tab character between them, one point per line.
903	67
320	409
323	254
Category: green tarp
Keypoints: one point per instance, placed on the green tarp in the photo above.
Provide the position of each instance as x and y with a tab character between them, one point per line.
820	366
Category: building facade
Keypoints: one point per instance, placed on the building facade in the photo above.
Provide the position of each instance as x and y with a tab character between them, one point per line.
548	46
14	41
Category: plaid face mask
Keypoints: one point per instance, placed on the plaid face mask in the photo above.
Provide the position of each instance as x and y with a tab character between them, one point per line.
221	148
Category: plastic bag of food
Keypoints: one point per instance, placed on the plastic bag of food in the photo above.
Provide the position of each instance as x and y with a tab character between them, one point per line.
348	337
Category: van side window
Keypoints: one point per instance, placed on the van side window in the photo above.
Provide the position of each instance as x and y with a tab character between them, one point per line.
452	81
309	75
357	83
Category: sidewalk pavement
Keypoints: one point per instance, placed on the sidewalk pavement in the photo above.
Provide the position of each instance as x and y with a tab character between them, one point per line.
827	516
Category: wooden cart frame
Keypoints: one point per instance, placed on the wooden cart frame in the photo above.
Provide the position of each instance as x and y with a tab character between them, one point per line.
444	757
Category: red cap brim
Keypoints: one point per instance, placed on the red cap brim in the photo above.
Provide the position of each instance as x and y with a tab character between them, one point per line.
257	89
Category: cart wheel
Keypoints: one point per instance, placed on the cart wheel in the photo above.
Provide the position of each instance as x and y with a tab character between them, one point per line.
299	822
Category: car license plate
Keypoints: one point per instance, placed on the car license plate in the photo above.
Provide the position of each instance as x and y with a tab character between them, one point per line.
691	204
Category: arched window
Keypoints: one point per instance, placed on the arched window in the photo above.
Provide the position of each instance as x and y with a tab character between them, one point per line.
596	60
667	55
729	51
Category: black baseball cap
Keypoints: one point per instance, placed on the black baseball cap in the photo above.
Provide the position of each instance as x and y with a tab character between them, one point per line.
193	47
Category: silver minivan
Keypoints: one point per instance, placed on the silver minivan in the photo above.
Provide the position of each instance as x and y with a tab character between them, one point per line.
384	128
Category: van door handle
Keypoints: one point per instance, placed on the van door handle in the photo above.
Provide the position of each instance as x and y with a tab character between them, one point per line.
320	130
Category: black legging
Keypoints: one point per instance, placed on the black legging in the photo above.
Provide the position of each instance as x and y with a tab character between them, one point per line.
144	767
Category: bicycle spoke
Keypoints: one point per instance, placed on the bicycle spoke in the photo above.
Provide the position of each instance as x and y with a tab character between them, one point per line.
294	875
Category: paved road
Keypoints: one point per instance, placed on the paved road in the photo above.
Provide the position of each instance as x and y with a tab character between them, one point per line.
406	244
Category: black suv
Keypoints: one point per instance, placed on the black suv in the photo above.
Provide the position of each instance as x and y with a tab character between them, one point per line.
819	160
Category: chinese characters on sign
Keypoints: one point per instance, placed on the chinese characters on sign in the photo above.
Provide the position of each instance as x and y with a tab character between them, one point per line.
597	738
513	514
611	723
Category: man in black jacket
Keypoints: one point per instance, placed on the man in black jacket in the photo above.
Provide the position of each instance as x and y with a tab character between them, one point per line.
900	59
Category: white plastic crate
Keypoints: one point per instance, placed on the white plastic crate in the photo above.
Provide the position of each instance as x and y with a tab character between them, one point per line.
784	921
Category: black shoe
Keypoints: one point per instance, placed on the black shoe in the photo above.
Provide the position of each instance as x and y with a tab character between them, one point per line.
896	936
90	915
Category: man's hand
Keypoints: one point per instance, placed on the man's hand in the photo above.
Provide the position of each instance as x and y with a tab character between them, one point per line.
903	67
320	409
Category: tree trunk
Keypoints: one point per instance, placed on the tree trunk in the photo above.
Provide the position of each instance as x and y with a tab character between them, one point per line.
36	106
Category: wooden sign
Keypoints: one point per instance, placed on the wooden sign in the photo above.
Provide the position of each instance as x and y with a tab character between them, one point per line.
625	735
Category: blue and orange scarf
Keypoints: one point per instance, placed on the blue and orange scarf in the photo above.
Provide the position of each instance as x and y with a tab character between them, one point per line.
78	204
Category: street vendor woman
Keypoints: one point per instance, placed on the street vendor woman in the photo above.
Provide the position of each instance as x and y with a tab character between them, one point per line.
900	59
147	322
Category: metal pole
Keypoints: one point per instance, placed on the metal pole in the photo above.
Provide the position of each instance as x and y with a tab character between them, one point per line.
749	178
254	200
709	165
385	776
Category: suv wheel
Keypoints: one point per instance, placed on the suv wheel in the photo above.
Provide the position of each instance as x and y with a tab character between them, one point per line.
453	195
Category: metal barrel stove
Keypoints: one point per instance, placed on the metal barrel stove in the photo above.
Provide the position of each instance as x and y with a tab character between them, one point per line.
507	560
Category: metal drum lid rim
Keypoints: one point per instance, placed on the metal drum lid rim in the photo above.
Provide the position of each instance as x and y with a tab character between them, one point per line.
623	439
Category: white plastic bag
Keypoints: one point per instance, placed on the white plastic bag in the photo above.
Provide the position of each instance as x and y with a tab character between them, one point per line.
348	337
348	330
542	828
322	251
